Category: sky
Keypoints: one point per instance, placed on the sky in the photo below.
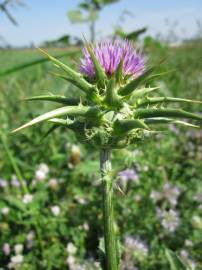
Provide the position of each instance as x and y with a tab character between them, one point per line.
42	20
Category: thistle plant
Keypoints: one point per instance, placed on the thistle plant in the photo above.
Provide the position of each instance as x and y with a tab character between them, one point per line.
116	110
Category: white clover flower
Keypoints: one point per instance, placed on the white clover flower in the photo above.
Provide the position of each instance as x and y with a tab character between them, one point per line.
15	262
30	236
168	192
137	198
44	167
17	259
27	198
53	183
146	168
85	226
70	261
5	211
184	253
6	249
71	249
40	175
55	210
169	219
155	196
171	193
188	243
137	246
80	200
41	172
11	265
3	183
18	248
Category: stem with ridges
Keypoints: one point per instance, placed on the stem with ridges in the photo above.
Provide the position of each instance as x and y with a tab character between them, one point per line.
109	232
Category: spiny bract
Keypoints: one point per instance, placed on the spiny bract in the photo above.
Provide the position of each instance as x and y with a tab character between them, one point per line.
117	109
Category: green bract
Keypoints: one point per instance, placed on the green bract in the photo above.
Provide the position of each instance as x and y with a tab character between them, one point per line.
115	111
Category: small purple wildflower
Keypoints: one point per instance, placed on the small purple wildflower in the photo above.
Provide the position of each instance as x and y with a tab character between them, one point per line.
14	181
109	54
3	183
128	174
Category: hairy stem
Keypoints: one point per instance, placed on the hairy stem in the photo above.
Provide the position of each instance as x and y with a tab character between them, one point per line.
109	232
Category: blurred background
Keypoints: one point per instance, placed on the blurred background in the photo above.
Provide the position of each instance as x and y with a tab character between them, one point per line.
50	203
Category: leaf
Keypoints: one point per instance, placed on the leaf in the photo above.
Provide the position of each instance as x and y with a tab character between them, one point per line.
99	72
59	121
75	16
67	110
30	64
14	202
55	98
169	121
119	72
132	85
157	100
135	34
143	91
123	126
149	113
174	261
74	76
112	98
91	95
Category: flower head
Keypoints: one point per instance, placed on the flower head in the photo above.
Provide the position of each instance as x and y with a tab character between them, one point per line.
18	248
5	211
3	183
27	198
168	192
109	54
41	172
169	219
128	174
138	247
55	209
6	249
14	181
71	249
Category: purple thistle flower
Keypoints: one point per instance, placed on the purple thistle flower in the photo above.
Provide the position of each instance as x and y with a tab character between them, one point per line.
109	54
128	174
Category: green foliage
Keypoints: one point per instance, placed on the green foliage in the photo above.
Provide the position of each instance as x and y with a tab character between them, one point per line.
175	262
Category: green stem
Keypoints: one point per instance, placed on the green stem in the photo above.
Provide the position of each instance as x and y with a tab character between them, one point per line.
109	232
13	164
